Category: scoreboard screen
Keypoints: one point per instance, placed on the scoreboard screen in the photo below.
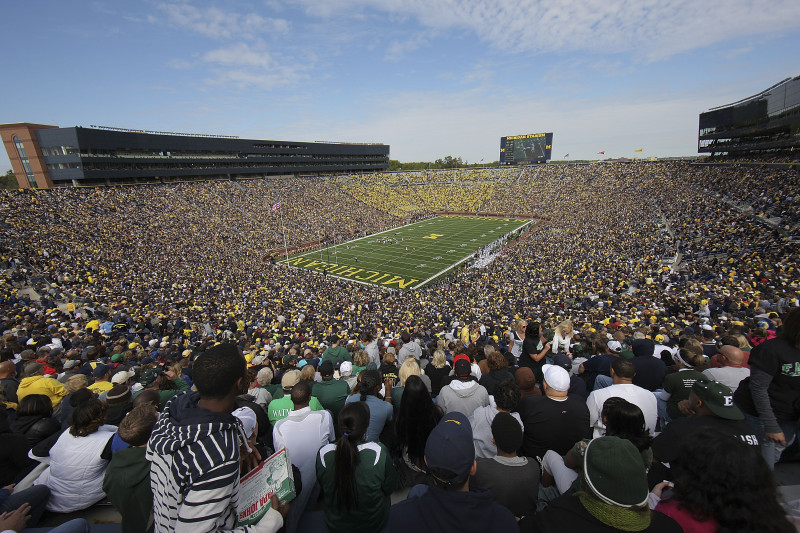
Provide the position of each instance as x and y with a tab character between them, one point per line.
526	149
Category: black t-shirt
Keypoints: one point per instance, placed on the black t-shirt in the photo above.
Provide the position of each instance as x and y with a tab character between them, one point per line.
780	360
650	372
666	446
491	380
595	366
552	425
577	387
529	346
437	376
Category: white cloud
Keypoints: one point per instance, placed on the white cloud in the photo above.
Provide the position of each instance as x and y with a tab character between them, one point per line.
651	29
219	24
397	49
242	65
422	126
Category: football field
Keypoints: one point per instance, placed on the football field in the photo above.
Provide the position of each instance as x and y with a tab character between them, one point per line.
410	256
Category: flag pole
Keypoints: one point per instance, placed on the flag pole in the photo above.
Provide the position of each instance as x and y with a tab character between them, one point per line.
283	230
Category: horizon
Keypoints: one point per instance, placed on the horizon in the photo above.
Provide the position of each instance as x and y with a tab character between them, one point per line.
449	78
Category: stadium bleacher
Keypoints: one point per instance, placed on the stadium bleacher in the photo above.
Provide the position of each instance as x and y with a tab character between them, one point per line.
181	266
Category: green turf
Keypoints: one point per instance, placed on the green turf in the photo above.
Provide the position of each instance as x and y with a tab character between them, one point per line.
417	254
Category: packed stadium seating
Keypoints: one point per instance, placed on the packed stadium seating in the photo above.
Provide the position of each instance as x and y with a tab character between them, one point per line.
199	249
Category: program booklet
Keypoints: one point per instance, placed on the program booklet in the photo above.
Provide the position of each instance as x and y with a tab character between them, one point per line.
271	476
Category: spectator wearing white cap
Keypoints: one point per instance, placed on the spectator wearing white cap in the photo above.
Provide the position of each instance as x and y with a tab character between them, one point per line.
556	420
346	374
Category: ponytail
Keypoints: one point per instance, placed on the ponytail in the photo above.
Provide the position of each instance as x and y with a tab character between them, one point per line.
353	423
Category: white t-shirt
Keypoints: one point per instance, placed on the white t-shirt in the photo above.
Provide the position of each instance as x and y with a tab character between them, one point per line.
643	398
728	375
303	433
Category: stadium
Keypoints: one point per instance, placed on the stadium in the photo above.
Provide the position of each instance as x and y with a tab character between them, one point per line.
143	252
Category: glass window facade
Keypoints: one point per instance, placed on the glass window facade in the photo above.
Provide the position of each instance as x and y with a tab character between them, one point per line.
26	164
767	121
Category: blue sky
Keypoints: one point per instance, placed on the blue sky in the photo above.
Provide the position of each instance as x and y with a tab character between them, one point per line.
430	78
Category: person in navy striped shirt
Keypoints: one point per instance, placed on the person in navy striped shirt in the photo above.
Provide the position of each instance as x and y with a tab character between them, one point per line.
197	449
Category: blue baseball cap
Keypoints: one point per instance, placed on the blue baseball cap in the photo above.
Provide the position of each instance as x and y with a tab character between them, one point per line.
449	448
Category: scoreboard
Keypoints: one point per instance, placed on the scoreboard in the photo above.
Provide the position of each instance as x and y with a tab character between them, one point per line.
526	149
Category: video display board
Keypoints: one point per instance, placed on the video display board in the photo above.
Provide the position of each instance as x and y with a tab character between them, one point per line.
526	149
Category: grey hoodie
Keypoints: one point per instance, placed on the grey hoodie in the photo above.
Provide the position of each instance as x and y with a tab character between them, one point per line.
462	396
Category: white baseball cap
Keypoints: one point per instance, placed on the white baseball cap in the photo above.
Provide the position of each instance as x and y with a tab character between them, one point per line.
556	377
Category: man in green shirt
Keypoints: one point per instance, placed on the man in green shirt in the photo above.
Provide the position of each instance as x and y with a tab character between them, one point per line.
280	408
336	353
331	392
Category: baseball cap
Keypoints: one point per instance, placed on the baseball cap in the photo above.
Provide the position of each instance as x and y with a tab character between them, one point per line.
290	379
718	397
346	368
563	361
462	369
122	376
614	346
449	449
31	369
556	377
116	358
100	371
289	357
148	377
248	419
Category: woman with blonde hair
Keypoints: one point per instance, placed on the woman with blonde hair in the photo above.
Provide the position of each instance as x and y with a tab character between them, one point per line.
562	338
409	368
516	336
307	373
437	371
360	361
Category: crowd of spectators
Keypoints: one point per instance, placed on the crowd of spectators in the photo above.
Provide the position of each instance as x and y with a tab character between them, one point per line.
129	313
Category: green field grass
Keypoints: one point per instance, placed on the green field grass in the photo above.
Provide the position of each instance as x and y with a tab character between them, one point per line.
411	256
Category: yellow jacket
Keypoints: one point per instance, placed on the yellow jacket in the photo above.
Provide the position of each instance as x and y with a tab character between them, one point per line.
41	385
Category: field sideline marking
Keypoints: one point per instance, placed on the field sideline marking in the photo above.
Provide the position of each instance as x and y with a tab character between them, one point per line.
422	283
400	227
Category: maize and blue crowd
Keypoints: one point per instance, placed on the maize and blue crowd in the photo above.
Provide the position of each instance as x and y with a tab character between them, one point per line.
633	364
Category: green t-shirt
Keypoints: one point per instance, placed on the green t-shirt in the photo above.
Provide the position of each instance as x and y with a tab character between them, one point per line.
280	408
332	395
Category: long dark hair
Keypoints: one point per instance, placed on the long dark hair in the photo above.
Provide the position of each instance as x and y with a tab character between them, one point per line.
35	405
416	418
370	380
721	477
353	424
790	330
626	421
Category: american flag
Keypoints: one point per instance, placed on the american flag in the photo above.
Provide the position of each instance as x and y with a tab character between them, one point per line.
276	205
